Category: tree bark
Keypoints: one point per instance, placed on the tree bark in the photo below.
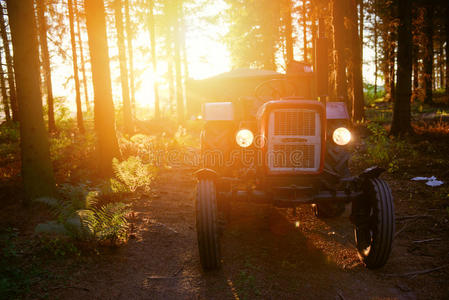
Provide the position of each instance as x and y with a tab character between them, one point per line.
10	68
37	172
428	53
129	41
376	60
79	109
107	145
447	50
127	115
177	59
151	30
401	110
288	31
41	7
341	88
356	64
5	101
83	63
304	28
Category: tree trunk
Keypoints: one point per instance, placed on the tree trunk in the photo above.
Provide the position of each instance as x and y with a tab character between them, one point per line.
177	58
415	67
151	30
304	28
107	145
376	60
127	116
4	94
356	64
79	109
341	88
37	172
10	68
447	50
401	111
361	26
129	41
41	7
83	63
428	53
288	31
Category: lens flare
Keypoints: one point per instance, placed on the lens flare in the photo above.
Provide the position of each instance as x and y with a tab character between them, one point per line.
244	138
341	136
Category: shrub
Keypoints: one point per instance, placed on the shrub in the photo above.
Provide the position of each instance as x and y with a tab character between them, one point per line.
383	150
132	174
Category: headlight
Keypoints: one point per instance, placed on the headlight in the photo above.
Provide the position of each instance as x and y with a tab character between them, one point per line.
341	136
244	138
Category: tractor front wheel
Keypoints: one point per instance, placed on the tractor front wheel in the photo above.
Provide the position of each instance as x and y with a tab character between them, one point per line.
207	226
374	237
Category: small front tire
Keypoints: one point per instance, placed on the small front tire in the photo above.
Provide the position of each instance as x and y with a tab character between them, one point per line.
207	226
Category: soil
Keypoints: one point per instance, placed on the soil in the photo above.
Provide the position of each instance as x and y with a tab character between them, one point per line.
268	253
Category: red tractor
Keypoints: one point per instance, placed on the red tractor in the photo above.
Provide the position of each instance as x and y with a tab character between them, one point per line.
288	145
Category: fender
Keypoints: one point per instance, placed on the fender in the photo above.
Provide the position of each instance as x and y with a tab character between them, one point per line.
372	172
205	173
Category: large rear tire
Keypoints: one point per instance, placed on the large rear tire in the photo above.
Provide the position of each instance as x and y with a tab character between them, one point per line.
374	240
207	225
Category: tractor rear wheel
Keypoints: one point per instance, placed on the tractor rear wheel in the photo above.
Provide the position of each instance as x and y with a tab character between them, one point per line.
207	226
375	238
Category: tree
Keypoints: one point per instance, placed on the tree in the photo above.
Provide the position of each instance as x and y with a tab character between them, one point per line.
339	55
41	7
107	145
428	52
127	116
151	30
83	63
401	110
356	64
10	67
37	172
4	94
177	7
129	42
288	29
447	50
79	109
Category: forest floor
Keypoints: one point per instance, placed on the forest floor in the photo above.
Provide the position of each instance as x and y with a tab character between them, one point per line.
268	253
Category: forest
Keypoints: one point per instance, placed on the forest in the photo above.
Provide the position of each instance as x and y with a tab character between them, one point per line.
103	124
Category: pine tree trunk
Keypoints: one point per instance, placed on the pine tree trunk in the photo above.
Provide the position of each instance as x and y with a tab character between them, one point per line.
4	93
10	67
129	41
376	60
447	50
288	31
127	116
79	109
341	88
37	172
177	59
428	53
151	30
41	7
356	64
83	63
361	26
107	145
304	28
401	111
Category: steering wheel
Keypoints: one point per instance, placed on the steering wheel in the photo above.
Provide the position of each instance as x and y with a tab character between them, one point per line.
275	89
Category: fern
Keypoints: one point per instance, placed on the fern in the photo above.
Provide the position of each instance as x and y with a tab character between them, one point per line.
133	174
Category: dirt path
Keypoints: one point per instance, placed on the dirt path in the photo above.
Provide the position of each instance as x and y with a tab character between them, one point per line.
267	253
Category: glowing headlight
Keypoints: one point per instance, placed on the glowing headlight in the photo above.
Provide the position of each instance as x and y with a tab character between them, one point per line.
341	136
244	138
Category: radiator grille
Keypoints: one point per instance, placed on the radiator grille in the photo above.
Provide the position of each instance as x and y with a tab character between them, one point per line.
294	123
293	156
